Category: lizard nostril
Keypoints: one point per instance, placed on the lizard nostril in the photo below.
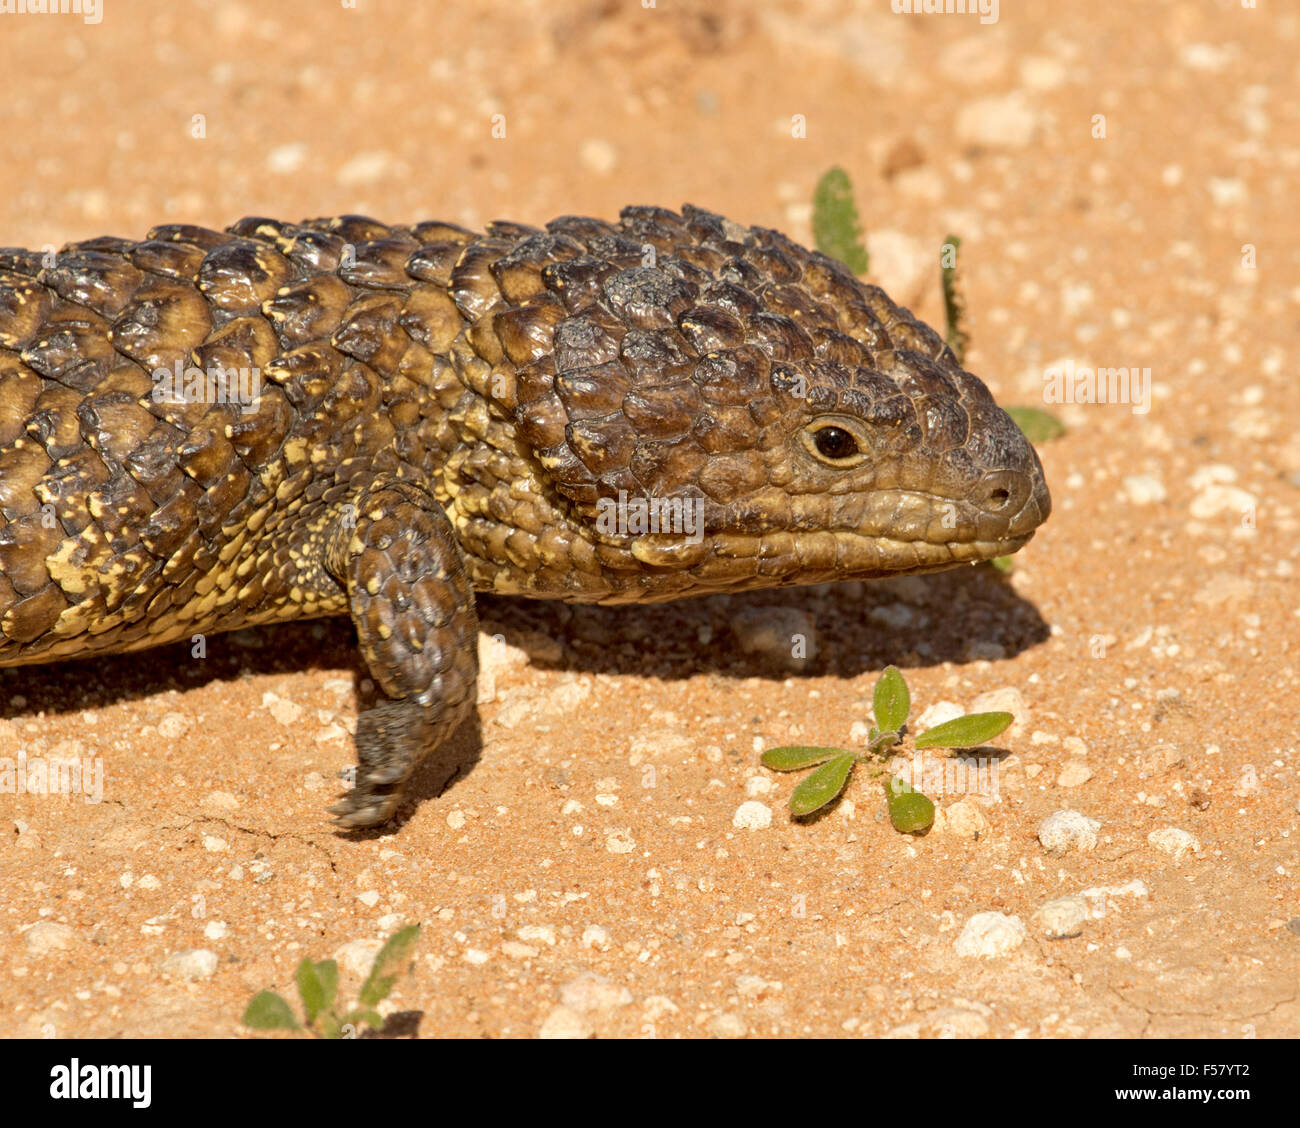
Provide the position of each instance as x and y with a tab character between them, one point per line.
999	498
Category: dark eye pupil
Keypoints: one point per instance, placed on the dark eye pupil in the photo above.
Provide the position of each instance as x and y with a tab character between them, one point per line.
834	442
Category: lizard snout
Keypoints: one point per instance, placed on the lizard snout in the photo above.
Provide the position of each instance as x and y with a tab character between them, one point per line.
1013	501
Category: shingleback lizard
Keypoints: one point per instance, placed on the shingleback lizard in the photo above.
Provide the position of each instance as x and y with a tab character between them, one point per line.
426	412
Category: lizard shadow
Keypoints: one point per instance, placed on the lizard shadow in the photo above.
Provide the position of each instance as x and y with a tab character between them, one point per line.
28	693
841	630
846	629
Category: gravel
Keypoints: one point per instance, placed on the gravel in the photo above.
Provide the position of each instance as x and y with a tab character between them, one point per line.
990	934
1064	831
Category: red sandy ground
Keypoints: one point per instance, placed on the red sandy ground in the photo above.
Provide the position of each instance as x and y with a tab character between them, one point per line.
582	873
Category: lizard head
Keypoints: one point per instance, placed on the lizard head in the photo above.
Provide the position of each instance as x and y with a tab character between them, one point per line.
716	408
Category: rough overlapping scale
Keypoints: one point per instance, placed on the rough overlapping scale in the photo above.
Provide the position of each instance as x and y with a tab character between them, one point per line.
238	276
379	264
528	374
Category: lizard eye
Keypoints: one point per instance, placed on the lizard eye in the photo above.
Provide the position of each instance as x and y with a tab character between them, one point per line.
835	443
838	441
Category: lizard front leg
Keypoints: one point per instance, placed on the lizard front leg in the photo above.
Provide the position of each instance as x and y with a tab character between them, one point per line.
413	606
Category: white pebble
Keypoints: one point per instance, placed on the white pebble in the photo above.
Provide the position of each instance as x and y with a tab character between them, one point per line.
1073	775
1136	887
593	936
589	992
1068	830
1144	489
48	936
941	712
286	158
1173	841
1063	917
620	841
957	1022
357	956
365	168
1002	121
499	663
1007	699
284	712
537	934
752	815
191	964
1215	501
786	636
990	934
896	616
564	1023
1038	72
728	1025
173	725
598	156
965	819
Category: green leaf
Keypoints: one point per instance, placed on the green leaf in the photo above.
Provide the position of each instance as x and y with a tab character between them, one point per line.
822	785
268	1011
795	756
969	731
1003	564
836	229
318	983
909	810
329	1025
891	701
389	964
1037	425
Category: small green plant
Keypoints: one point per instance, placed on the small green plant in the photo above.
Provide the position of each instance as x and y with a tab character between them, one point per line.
837	230
1037	425
318	984
909	810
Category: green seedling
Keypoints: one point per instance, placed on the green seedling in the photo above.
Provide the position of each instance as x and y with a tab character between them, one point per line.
837	230
909	810
1037	425
954	301
318	984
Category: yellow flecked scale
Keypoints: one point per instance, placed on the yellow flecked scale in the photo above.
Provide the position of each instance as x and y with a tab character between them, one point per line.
424	412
